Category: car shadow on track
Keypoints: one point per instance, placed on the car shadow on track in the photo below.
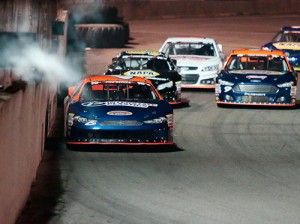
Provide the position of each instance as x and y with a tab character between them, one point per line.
258	107
127	148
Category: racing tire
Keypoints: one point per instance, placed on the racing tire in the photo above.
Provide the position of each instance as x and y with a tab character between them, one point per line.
102	35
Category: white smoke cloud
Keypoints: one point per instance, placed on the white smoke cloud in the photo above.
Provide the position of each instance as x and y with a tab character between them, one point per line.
49	65
31	63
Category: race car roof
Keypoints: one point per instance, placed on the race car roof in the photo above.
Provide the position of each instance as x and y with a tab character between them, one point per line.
189	39
257	52
115	78
290	29
110	79
141	52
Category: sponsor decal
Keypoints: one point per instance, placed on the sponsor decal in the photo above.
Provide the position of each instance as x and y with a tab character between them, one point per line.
252	55
142	52
142	73
119	113
193	58
119	103
255	94
258	72
287	45
112	82
254	80
91	123
80	119
262	77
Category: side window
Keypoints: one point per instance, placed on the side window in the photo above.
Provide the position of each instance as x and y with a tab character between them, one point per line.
234	64
86	93
170	50
275	65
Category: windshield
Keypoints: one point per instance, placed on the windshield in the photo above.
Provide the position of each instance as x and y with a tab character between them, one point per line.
276	64
117	91
180	48
155	64
287	37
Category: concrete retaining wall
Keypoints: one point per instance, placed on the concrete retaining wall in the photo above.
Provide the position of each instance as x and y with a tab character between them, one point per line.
22	130
27	108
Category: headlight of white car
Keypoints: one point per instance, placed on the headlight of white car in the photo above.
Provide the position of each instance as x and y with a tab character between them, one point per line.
159	120
286	84
225	83
164	85
210	68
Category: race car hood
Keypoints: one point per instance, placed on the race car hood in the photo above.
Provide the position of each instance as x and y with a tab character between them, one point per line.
112	110
153	75
256	77
193	60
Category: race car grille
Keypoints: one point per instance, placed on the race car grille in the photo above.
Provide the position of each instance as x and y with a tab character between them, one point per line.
190	68
189	78
121	123
255	88
255	99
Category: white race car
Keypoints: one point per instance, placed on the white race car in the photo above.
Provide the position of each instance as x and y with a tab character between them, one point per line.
199	60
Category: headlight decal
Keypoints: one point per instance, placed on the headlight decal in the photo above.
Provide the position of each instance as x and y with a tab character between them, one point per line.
170	120
159	120
294	91
165	85
72	118
227	89
217	89
286	84
225	83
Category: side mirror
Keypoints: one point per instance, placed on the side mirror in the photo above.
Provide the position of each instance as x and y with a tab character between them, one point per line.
223	56
220	46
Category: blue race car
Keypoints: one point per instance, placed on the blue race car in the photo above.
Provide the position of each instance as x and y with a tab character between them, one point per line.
256	77
117	110
287	40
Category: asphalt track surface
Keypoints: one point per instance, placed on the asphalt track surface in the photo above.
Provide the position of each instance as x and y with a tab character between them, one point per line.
229	165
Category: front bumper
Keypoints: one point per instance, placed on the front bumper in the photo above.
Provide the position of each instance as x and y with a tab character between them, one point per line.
198	80
281	97
143	136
